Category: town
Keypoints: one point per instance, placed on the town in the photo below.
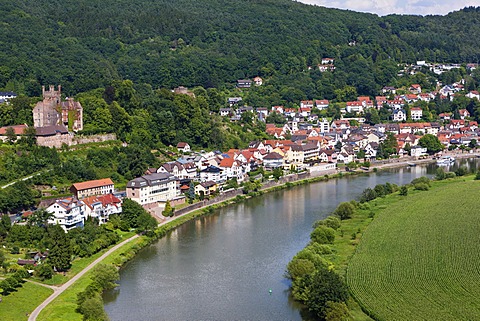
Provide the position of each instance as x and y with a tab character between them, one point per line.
303	140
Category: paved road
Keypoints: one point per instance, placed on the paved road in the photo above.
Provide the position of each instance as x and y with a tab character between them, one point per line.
59	290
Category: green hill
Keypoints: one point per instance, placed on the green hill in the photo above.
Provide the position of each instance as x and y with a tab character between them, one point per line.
86	44
419	258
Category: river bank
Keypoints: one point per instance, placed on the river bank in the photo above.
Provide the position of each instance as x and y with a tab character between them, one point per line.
172	223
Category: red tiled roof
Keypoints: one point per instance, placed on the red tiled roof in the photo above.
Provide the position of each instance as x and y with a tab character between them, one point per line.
18	129
92	184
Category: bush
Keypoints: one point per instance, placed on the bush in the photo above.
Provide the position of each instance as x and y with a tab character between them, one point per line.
344	210
461	171
404	190
440	174
44	271
330	221
421	187
422	179
368	194
477	176
323	235
450	175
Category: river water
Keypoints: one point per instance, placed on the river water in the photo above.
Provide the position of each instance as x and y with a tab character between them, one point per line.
222	266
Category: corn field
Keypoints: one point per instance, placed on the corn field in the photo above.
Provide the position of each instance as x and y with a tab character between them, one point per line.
420	258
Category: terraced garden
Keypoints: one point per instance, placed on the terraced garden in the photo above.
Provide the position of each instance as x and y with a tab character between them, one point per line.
420	258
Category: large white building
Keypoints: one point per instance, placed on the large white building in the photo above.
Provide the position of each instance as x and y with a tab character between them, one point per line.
153	188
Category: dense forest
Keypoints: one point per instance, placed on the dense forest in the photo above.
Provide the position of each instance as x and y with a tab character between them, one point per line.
88	44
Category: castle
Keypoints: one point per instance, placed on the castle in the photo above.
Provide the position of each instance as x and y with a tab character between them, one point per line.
52	111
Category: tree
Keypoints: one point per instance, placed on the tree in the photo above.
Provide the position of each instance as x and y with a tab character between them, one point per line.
92	308
336	311
325	286
168	210
104	276
146	223
473	144
11	136
40	217
60	254
130	212
431	143
344	210
440	174
323	235
388	146
44	271
191	192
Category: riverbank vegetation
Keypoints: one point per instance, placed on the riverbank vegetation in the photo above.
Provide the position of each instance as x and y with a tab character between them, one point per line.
334	243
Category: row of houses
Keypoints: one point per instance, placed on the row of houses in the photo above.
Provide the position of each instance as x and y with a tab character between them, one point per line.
92	199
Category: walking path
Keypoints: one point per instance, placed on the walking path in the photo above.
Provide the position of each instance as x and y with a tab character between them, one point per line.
59	290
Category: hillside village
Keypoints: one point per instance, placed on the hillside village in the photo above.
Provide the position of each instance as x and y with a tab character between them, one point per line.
307	142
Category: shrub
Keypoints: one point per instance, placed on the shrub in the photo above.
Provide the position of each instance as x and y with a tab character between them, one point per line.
450	175
333	222
422	179
477	176
368	194
461	171
323	235
440	174
404	190
421	187
344	210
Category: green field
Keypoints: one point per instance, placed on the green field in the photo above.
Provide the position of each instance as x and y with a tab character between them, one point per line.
17	305
420	258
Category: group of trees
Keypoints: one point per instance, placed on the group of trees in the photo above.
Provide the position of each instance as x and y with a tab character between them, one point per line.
314	283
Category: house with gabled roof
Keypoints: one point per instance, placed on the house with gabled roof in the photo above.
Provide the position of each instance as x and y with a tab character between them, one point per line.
233	169
183	147
67	212
273	160
322	104
463	113
101	207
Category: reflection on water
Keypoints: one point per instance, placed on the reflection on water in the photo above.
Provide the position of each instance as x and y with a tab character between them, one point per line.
222	266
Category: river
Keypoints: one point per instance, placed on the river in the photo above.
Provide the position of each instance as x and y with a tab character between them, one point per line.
222	266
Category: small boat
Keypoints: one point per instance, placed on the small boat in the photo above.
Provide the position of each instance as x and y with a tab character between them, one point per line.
445	160
411	164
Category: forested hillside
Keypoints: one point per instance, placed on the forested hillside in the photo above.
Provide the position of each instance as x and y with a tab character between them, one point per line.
87	44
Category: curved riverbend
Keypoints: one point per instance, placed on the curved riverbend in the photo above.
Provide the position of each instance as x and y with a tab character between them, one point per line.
222	266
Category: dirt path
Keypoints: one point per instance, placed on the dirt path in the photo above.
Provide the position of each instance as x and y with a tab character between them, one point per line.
59	290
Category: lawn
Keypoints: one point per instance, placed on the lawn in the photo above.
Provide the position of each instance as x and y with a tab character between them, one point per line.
419	259
17	305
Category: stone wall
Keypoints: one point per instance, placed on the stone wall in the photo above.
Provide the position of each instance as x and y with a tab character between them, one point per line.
93	138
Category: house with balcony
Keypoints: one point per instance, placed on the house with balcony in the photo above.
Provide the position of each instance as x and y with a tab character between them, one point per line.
101	207
67	212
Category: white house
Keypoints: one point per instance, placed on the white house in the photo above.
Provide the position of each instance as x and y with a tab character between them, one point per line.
273	160
183	147
322	104
101	207
416	113
68	213
212	173
354	107
153	188
399	115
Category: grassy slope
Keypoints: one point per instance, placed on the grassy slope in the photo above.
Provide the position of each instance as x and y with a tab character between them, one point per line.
419	259
17	305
